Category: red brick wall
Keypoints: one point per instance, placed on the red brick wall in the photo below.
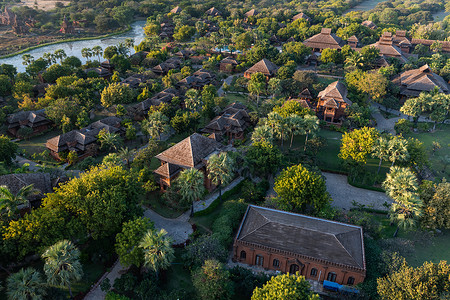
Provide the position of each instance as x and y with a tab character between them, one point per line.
342	274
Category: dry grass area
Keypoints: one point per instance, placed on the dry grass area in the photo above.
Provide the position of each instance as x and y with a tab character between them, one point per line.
42	4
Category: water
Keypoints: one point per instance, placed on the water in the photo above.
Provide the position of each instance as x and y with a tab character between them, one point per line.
74	48
440	15
365	6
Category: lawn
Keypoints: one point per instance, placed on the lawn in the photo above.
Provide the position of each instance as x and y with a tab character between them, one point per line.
155	202
440	160
178	277
435	249
36	144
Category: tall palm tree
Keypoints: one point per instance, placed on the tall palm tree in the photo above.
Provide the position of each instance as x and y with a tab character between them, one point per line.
310	126
193	100
156	124
406	209
190	184
109	140
262	133
98	51
381	150
400	180
86	53
278	125
220	170
127	155
355	60
60	54
9	202
398	149
158	252
295	123
62	264
129	43
49	57
27	284
27	59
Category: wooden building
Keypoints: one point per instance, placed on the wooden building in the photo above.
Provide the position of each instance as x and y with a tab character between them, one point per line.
324	40
192	152
197	80
332	103
318	249
264	66
228	64
423	79
176	10
213	12
301	16
369	24
387	47
35	120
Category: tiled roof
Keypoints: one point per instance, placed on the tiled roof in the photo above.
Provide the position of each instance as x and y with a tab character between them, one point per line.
369	24
305	94
325	39
334	242
336	91
264	66
40	182
387	48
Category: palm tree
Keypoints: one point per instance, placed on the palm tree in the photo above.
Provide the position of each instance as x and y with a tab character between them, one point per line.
381	150
62	264
109	140
9	202
262	133
398	149
190	185
193	100
156	124
257	86
400	180
356	60
98	51
295	123
310	126
27	284
27	59
158	252
127	155
129	43
405	210
86	53
60	54
278	125
220	170
49	57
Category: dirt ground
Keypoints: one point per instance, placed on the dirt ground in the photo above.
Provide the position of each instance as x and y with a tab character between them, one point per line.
42	4
10	42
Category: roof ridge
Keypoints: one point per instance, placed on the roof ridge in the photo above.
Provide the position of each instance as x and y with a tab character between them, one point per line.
335	235
268	221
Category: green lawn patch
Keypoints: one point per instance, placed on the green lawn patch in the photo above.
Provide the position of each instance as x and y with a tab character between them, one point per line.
434	249
178	277
36	144
155	202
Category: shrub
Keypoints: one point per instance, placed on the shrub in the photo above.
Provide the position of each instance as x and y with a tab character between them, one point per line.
423	126
228	221
204	248
403	126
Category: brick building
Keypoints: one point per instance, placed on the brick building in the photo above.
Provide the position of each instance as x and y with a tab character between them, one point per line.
318	249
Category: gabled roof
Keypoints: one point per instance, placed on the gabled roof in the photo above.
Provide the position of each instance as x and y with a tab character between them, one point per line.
264	66
423	79
40	181
251	13
176	10
336	91
311	237
305	94
229	60
213	12
353	38
190	152
168	170
27	116
387	48
325	39
301	16
369	24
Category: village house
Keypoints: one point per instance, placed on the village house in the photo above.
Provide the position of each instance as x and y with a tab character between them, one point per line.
192	152
164	67
318	249
82	141
101	72
213	12
423	79
250	13
305	99
136	80
387	47
228	64
369	24
332	103
197	80
176	10
184	53
264	66
301	16
41	182
36	121
324	40
140	110
230	124
167	30
353	42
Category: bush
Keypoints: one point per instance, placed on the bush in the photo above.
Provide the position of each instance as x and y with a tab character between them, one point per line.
423	126
86	163
254	193
228	221
245	281
403	126
202	249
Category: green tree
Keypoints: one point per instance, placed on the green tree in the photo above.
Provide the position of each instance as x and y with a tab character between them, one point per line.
262	133
72	158
117	93
60	54
86	53
263	158
26	284
193	100
190	186
398	149
5	85
380	150
257	85
98	51
212	281
429	281
296	126
9	202
285	287
109	140
220	168
158	251
8	150
125	154
127	241
310	126
184	33
299	189
436	201
357	144
156	124
62	264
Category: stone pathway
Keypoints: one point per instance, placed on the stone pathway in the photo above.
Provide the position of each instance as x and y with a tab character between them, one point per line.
178	229
228	81
343	193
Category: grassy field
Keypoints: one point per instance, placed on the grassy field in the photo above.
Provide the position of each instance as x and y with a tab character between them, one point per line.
37	144
439	160
435	249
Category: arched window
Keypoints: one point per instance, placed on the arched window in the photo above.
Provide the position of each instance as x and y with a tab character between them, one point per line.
351	281
293	269
331	276
259	261
313	272
243	254
276	263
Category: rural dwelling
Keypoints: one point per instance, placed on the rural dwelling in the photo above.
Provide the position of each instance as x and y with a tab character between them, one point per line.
332	103
213	12
228	64
83	141
324	40
140	110
369	24
231	123
305	98
197	80
36	121
318	249
192	152
353	42
251	13
41	183
423	79
176	10
264	66
164	67
387	47
301	16
101	72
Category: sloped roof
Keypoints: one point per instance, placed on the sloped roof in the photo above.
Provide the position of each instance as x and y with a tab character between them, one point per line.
423	79
251	13
229	60
301	16
213	12
264	66
30	116
323	40
353	38
40	181
387	48
305	94
168	170
334	242
336	91
369	24
176	10
190	152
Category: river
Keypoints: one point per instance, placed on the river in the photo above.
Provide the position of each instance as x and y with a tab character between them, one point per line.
365	6
74	48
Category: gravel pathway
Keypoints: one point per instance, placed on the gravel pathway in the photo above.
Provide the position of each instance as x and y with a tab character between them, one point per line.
343	193
178	229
